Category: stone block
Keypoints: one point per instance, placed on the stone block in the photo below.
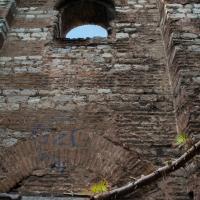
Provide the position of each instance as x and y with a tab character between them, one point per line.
104	91
122	36
9	142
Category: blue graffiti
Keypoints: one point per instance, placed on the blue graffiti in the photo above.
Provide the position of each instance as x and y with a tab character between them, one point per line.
39	128
73	138
56	164
59	140
59	166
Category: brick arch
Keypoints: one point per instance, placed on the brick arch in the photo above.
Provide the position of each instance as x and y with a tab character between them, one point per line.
74	13
95	157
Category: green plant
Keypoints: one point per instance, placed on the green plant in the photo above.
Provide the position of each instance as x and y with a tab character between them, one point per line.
100	187
182	139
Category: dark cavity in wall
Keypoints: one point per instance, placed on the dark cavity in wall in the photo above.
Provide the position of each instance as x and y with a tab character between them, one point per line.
74	13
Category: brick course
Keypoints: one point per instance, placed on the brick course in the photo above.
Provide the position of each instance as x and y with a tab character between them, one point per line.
126	95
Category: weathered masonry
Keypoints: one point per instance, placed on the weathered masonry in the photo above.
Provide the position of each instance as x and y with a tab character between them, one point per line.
74	112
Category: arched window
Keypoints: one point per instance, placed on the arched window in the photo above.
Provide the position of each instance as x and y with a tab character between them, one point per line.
87	31
77	13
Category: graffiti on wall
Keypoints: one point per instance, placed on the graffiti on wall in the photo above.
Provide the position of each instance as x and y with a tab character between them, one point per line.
59	140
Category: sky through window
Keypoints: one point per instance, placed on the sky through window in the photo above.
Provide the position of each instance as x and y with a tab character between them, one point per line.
87	31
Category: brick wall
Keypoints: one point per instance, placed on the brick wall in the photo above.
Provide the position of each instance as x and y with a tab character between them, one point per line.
7	13
118	93
180	25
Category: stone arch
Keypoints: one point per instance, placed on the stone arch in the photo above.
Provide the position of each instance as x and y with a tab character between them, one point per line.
74	13
99	158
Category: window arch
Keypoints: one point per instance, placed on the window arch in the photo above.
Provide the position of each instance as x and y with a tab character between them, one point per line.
74	13
87	31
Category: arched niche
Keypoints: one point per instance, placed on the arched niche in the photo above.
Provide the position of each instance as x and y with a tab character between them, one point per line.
74	13
30	166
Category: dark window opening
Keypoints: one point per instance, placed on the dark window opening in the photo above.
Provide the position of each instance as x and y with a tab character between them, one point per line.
79	14
191	195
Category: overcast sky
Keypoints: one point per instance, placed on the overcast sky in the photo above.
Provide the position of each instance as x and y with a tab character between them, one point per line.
87	31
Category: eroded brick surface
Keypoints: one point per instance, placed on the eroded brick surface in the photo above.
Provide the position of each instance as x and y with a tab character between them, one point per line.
180	28
114	92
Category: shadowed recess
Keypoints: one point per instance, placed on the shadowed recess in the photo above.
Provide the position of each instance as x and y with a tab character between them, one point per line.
58	163
81	12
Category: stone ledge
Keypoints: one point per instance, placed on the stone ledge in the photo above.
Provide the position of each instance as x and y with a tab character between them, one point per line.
53	198
5	196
